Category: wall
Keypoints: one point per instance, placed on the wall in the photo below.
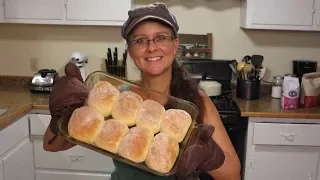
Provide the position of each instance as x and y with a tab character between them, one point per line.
52	44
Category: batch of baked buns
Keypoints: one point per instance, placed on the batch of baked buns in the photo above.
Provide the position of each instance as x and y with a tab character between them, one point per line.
125	124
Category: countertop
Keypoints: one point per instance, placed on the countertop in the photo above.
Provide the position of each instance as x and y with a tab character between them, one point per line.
20	101
266	106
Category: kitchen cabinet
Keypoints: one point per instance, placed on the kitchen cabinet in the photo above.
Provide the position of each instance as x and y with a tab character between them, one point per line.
16	154
75	163
65	12
280	14
98	10
281	148
318	13
34	9
18	163
1	171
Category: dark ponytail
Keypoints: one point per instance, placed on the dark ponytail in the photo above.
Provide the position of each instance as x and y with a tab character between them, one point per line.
183	87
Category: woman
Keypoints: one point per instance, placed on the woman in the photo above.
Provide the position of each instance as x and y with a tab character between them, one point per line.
151	35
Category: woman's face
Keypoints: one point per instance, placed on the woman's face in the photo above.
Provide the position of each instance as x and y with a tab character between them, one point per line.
152	57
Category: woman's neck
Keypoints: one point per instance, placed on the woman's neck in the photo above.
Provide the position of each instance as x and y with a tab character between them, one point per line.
159	83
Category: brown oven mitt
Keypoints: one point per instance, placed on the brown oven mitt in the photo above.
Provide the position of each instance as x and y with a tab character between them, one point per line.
203	155
68	94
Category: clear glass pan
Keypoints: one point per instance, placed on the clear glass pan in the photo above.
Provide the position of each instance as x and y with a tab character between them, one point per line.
167	101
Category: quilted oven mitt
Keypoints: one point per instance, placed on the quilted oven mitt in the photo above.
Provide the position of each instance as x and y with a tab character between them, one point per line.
203	155
69	93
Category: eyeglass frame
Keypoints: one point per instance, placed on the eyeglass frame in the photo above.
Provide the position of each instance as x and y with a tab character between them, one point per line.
153	40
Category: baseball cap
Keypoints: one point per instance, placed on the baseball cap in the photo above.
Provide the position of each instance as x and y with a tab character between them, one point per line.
158	11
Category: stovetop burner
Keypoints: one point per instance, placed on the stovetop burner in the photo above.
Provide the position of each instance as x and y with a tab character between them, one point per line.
225	104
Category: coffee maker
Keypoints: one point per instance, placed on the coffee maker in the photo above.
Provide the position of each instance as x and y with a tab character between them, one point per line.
301	67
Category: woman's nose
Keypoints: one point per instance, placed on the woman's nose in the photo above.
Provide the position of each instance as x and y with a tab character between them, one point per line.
151	46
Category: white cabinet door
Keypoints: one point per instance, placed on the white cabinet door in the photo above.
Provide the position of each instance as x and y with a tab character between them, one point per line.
278	14
283	12
1	170
77	158
18	162
317	14
283	163
98	10
1	10
54	175
34	9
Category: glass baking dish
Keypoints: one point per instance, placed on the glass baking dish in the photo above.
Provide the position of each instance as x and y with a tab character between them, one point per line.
166	100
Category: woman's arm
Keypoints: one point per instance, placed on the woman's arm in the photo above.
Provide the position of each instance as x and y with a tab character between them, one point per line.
59	144
230	170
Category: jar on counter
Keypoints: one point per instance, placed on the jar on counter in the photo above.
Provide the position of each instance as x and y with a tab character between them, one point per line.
277	87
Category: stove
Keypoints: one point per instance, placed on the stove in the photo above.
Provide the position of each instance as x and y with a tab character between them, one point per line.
228	109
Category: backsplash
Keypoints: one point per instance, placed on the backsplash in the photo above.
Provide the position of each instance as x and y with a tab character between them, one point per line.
26	48
15	82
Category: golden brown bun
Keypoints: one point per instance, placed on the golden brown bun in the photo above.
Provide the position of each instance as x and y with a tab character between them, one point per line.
150	115
176	122
163	153
102	97
85	123
111	134
126	107
135	145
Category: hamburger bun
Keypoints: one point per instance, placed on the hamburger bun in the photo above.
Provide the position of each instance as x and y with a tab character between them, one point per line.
102	97
85	123
176	122
135	145
126	107
163	153
150	115
111	134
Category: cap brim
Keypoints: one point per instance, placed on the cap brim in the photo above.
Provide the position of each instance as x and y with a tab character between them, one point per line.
134	23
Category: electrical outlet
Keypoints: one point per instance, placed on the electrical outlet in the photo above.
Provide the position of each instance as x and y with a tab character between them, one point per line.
34	64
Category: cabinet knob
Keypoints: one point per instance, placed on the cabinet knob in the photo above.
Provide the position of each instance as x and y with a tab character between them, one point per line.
309	176
289	137
76	158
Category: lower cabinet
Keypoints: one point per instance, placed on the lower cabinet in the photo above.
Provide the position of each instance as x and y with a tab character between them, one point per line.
18	163
282	150
54	175
77	163
1	171
16	154
76	158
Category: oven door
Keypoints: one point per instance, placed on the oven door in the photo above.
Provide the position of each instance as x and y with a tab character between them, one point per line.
237	134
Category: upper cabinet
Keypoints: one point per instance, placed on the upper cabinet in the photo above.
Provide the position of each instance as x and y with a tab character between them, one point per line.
77	12
318	13
280	14
98	10
34	9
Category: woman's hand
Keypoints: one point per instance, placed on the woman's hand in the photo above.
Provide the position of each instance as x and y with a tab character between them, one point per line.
68	94
203	155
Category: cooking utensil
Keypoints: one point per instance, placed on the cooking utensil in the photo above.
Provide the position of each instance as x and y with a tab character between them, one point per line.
210	86
233	66
257	60
244	68
172	102
246	58
262	72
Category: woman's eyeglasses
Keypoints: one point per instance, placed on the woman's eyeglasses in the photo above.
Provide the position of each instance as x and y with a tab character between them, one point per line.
158	41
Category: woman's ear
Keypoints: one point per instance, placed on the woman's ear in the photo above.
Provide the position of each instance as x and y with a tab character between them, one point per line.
176	45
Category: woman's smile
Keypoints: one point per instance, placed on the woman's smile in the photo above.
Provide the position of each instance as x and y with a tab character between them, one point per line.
156	58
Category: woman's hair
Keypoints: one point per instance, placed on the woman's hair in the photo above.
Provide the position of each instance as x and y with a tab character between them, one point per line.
184	88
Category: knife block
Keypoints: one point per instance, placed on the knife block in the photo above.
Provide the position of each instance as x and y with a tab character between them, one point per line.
116	70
